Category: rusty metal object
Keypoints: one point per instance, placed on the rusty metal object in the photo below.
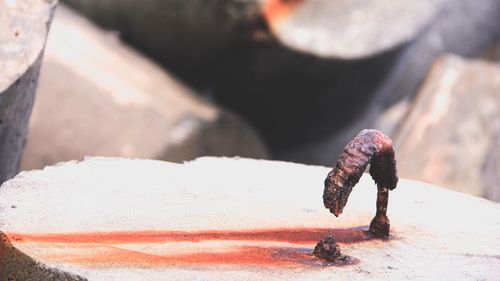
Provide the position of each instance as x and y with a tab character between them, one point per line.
327	249
368	147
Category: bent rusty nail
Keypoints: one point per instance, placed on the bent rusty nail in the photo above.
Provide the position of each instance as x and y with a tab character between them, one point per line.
368	147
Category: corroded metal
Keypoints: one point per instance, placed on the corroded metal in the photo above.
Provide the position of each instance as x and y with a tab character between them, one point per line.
368	147
327	249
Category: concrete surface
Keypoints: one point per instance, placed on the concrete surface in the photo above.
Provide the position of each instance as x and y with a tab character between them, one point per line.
231	219
24	25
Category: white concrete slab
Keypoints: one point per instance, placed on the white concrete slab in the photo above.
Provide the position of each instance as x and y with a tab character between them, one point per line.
231	219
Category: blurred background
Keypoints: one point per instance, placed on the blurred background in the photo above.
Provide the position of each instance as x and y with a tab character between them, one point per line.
290	80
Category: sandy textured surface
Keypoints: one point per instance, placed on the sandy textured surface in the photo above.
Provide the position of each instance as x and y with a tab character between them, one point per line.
232	219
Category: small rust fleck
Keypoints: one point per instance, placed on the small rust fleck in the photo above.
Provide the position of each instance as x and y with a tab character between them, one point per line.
277	11
368	147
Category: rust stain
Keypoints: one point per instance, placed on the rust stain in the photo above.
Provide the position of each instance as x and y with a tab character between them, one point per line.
246	255
290	247
276	11
289	235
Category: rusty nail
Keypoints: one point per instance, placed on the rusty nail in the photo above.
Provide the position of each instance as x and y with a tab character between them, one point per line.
368	147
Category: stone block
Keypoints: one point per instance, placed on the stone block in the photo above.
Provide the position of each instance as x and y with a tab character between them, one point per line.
385	102
99	97
310	74
231	219
283	65
450	135
348	29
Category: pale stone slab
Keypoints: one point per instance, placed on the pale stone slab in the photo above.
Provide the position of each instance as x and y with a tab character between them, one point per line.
231	219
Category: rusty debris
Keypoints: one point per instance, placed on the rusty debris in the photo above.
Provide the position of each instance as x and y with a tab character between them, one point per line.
368	147
328	250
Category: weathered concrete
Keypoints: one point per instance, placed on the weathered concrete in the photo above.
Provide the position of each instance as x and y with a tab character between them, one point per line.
97	97
231	219
453	126
24	25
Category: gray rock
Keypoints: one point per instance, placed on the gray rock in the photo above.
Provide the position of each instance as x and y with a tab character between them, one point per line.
319	71
450	135
493	52
331	29
97	97
348	29
491	171
184	35
24	25
463	27
322	103
248	68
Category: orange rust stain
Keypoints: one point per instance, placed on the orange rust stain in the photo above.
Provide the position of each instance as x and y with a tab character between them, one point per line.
275	11
246	255
290	235
103	249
